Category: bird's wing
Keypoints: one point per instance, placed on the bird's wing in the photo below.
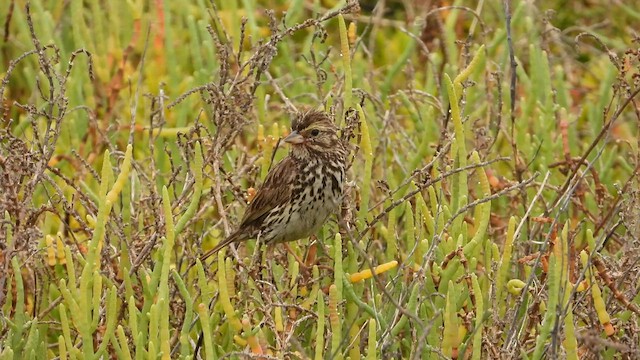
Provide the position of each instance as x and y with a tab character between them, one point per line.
275	191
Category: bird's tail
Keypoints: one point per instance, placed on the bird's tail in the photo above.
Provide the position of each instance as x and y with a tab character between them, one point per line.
231	238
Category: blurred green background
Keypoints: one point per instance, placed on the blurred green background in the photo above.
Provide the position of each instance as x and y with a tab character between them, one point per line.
511	211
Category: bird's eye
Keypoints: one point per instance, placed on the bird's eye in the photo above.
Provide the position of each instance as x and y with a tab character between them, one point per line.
315	132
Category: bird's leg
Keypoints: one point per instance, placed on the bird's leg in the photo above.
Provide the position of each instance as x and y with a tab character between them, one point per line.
310	258
298	259
306	264
255	267
269	256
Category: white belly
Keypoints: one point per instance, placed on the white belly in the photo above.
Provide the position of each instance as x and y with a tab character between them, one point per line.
310	215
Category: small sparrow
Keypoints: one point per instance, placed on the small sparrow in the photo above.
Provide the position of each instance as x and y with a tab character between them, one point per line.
302	190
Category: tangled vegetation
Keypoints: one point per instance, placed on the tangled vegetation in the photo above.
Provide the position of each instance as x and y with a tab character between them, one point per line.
492	208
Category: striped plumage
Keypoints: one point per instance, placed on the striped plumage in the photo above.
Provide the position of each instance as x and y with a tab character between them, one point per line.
302	190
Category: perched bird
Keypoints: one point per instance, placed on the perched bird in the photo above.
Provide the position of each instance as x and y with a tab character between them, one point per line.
302	190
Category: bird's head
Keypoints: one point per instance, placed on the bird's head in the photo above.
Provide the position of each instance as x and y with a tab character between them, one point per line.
313	133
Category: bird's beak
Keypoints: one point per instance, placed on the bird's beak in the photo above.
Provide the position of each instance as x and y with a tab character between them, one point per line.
294	138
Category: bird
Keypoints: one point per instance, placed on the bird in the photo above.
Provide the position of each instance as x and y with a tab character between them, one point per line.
300	193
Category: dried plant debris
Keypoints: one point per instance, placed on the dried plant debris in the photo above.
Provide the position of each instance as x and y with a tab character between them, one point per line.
490	209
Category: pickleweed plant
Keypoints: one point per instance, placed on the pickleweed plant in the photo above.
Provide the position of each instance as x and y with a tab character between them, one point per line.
490	191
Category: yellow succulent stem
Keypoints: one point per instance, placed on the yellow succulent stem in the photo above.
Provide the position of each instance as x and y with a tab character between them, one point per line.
224	296
367	273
